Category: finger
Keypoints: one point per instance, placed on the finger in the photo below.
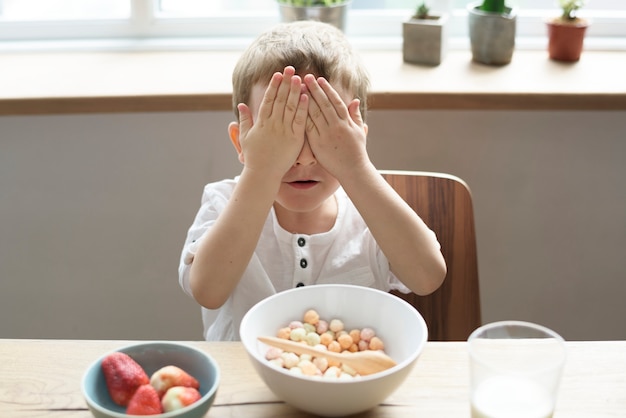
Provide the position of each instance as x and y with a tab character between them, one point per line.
284	91
245	118
311	129
333	96
316	115
354	109
317	98
267	104
326	97
293	99
301	116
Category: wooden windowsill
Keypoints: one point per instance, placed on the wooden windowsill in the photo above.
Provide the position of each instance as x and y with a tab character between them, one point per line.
113	82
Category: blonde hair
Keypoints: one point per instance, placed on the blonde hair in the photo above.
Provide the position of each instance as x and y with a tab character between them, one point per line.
308	46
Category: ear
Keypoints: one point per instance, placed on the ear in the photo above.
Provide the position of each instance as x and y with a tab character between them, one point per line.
233	133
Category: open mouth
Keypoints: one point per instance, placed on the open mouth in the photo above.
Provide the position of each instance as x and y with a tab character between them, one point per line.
303	184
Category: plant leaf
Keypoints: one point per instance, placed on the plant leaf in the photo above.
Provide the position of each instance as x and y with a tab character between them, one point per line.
493	6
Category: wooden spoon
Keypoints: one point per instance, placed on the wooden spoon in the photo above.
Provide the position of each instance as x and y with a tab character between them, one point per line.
363	362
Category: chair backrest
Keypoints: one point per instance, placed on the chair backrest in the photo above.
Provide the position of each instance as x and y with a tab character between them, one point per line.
444	202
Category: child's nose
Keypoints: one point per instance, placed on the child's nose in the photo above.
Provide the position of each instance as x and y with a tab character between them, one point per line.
306	156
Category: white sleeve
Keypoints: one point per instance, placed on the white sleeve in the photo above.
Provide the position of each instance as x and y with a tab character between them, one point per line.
214	199
394	282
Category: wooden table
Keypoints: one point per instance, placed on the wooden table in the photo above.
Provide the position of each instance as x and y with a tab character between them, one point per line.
41	378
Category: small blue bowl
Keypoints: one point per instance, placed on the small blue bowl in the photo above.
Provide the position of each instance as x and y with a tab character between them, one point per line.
152	356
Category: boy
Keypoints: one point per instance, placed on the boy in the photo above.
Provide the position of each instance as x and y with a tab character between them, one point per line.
309	207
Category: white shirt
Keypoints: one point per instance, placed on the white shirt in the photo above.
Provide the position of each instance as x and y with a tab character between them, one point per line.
347	254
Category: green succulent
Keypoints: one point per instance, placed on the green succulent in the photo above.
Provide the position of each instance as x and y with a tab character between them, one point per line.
570	7
422	11
493	6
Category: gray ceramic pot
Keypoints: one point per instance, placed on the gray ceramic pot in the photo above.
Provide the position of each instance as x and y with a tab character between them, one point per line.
492	35
334	15
424	41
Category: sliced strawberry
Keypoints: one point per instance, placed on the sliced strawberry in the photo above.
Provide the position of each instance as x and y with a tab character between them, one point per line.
178	397
145	401
123	376
170	376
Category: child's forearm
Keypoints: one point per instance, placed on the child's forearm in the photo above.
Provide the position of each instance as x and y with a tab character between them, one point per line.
226	249
413	254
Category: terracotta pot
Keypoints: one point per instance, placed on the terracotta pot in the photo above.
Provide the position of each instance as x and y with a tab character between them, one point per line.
565	40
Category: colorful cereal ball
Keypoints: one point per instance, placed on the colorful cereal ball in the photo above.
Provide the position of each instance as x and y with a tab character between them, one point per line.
322	327
284	333
319	333
311	317
336	325
376	344
297	334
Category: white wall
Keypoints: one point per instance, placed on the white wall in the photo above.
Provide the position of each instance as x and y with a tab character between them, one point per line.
94	210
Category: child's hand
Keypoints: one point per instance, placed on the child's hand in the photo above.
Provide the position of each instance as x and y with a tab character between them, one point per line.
273	141
336	132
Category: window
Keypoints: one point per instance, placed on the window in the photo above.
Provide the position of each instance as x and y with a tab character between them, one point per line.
228	23
45	10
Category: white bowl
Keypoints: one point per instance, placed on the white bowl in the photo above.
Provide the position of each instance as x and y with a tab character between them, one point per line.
396	322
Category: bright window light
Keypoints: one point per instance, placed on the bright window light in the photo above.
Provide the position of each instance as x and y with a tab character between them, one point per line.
31	10
196	8
225	23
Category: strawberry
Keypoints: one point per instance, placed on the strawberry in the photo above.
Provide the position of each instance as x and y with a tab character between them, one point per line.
178	397
145	401
123	376
170	376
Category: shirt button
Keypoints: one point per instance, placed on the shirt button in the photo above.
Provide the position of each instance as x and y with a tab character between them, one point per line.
301	242
303	263
300	284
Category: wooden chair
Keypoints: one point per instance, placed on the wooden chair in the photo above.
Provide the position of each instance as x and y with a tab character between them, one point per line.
444	202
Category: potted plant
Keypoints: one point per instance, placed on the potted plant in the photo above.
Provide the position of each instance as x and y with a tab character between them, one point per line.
334	12
492	31
424	37
566	33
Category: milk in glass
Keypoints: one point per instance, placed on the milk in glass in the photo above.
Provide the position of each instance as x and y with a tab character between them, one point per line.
511	397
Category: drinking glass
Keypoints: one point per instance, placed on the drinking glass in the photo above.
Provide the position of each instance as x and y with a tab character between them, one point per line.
515	369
